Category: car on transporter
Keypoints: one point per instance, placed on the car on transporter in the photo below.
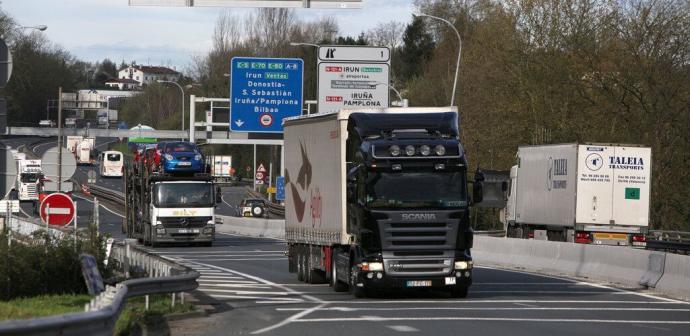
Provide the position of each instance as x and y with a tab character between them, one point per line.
181	157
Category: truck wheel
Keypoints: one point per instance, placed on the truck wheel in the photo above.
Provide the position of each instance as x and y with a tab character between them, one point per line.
337	285
459	292
356	291
300	264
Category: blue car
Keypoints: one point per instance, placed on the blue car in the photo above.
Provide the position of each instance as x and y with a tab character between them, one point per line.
181	157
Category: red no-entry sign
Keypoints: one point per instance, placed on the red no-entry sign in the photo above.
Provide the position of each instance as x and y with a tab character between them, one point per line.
57	209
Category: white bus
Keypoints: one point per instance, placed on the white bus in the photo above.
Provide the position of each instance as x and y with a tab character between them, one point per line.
111	163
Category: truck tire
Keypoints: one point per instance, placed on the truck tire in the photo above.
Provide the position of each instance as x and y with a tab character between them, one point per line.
300	264
338	286
459	291
357	292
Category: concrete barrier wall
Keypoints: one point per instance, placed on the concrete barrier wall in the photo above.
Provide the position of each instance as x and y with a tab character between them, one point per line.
255	227
667	273
26	227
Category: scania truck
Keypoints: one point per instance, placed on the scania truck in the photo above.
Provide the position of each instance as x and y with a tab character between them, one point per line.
582	193
377	199
167	208
28	179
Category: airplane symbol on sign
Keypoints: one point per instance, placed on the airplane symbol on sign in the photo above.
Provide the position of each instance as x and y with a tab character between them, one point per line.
330	53
239	122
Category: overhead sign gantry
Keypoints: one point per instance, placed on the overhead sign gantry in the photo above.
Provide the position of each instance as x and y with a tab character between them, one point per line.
319	4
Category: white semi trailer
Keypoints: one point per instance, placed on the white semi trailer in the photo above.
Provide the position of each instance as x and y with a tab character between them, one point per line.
591	194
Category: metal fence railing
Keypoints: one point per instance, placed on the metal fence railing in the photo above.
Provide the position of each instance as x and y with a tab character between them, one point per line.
670	241
164	276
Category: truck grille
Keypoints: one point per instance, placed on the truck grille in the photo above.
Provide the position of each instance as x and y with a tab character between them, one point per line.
417	247
31	190
184	222
401	236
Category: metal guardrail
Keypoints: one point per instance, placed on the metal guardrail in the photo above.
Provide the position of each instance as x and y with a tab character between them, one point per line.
275	209
491	233
114	196
670	241
102	313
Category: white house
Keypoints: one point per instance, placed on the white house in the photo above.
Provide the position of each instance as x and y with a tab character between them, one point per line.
146	75
123	84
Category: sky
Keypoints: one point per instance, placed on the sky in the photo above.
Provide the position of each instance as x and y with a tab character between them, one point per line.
93	30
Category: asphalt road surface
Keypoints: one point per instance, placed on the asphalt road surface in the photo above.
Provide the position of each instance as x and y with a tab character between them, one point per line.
246	279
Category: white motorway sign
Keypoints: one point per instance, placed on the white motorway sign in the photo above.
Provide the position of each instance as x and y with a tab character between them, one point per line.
348	85
353	77
354	54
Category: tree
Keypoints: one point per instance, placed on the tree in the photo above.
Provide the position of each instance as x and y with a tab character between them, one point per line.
418	47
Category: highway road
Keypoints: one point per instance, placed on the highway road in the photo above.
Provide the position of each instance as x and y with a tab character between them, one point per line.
246	281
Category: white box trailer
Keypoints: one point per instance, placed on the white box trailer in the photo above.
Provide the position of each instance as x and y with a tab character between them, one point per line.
584	193
72	142
221	166
84	150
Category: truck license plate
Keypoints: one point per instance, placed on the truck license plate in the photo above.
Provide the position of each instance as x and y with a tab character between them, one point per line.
184	163
188	231
419	283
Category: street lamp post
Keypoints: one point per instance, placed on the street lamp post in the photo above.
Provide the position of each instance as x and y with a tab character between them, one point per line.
316	92
457	64
181	92
400	98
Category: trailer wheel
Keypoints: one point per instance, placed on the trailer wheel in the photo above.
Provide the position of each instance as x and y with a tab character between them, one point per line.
338	286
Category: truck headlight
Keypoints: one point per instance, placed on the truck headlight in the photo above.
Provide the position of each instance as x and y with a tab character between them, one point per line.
424	150
208	230
160	230
372	266
197	157
409	150
463	265
440	150
168	157
394	150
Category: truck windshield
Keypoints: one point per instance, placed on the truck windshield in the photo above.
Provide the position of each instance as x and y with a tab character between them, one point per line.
183	195
30	177
443	190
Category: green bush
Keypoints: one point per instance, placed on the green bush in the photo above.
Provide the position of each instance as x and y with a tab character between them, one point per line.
43	265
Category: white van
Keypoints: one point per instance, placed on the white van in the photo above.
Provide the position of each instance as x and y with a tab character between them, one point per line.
111	164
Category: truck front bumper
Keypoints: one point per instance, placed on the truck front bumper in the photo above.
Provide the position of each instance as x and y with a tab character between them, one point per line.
185	235
380	280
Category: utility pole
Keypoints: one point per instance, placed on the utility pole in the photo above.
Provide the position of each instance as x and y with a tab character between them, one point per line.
59	182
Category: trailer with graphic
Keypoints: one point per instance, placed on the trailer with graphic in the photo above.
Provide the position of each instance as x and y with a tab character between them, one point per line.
587	193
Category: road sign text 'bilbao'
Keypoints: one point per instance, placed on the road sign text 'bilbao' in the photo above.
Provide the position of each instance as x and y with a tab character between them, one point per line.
263	91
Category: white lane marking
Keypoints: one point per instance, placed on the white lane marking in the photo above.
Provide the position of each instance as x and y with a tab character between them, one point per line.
228	282
403	328
528	284
526	308
547	292
239	259
236	208
290	319
252	297
498	319
206	252
227	286
648	296
211	277
441	301
100	204
212	255
270	283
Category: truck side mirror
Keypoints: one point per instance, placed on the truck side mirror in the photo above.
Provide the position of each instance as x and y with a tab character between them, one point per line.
504	186
219	196
477	192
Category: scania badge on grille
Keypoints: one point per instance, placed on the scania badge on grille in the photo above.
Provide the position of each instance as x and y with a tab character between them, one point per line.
416	217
